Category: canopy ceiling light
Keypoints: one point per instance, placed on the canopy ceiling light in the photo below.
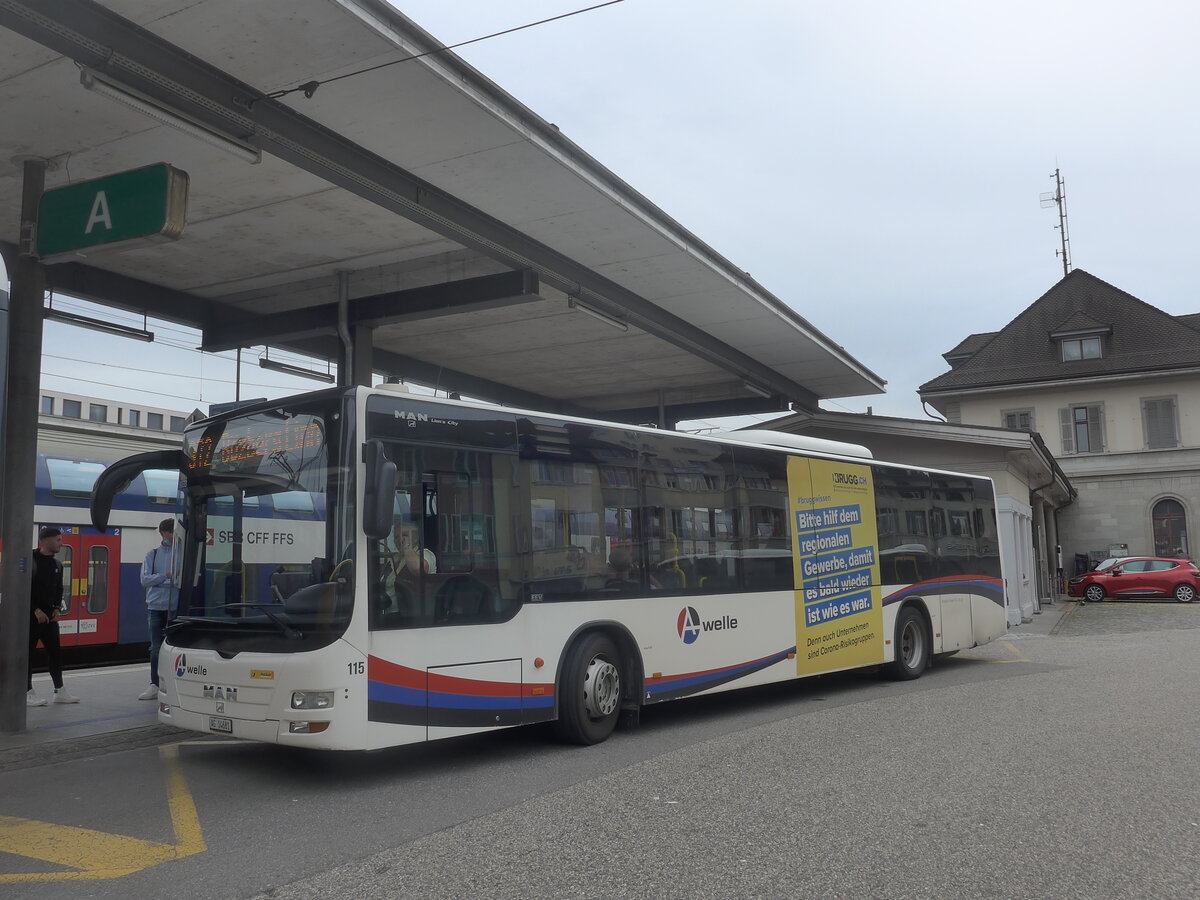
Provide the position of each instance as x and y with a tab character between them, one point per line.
138	334
613	321
287	369
106	87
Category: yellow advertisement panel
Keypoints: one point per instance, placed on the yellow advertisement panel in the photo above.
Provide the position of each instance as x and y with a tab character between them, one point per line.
839	610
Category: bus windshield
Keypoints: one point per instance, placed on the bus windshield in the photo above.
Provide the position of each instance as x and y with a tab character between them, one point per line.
266	565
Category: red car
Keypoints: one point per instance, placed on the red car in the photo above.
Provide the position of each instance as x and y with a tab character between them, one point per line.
1138	576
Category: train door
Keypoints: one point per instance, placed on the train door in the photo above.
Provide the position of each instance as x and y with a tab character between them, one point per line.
91	575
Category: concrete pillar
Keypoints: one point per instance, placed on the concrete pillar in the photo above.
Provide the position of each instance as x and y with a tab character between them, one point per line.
24	366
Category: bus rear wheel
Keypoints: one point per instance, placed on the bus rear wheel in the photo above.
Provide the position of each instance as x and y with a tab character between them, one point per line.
912	646
590	697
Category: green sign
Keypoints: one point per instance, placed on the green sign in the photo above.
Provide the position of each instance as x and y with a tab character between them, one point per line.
148	204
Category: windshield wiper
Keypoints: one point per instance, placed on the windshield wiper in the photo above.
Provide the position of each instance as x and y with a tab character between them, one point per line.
284	626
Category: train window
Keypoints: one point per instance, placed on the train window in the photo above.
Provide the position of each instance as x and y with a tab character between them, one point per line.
162	487
293	501
97	584
226	500
72	478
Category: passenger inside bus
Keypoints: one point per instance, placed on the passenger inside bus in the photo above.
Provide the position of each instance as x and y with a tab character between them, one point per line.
623	578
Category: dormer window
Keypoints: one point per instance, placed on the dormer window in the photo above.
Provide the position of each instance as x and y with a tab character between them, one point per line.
1081	348
1081	337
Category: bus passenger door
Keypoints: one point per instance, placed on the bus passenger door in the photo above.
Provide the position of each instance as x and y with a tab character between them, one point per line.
91	569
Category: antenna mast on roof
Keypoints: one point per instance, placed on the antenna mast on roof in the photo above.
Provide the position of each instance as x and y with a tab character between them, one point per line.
1059	199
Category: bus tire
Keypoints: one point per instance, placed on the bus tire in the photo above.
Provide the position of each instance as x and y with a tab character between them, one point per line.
912	646
589	699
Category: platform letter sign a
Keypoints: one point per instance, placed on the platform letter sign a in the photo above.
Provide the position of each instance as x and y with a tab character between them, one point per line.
148	204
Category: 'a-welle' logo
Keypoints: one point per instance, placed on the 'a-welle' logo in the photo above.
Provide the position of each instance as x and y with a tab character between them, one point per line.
690	625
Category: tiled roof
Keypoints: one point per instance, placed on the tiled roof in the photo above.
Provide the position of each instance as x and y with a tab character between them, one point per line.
1144	338
1192	320
970	345
1080	321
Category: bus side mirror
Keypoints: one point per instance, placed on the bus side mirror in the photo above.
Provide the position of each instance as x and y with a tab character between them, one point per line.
379	491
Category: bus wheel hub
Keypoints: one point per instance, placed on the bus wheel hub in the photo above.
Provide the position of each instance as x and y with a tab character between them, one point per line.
601	688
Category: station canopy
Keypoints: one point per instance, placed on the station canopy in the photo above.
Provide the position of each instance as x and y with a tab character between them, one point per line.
414	211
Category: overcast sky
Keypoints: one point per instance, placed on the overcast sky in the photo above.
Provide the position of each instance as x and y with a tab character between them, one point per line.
876	165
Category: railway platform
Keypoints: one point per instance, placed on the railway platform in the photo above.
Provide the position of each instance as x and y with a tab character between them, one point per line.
108	716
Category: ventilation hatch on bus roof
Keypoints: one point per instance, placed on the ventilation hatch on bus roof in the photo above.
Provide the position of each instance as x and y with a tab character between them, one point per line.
795	442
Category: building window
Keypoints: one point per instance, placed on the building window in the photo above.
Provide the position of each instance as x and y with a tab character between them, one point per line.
1159	423
97	412
154	420
177	423
1021	419
72	409
135	418
1081	348
1082	428
1170	529
47	406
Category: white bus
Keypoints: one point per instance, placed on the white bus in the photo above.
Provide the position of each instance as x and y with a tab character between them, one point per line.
474	567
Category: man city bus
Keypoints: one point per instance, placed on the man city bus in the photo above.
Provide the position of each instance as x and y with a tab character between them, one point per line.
429	568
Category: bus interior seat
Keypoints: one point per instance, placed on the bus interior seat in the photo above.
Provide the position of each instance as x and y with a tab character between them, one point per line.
285	583
312	601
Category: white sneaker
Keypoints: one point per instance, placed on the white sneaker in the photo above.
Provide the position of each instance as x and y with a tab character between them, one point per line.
32	699
62	695
150	693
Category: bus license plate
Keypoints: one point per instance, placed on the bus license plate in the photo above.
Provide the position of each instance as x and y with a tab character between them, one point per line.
220	723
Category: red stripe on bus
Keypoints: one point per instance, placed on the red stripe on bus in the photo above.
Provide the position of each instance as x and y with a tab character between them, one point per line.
404	676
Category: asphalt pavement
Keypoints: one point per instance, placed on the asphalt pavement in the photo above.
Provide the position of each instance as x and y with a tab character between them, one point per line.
1053	762
109	717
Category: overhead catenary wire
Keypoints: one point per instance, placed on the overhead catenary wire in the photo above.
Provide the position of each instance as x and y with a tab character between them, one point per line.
310	88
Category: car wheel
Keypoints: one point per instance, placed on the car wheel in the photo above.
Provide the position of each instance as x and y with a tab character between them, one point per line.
1184	593
1094	593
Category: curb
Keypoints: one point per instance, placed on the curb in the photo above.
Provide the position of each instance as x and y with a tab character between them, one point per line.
55	752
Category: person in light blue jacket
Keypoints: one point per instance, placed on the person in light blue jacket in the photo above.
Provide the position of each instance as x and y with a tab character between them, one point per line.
160	578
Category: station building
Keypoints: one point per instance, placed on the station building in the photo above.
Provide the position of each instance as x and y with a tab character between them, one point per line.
1110	383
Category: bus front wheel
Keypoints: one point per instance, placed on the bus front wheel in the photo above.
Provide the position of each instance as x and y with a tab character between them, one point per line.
590	697
912	646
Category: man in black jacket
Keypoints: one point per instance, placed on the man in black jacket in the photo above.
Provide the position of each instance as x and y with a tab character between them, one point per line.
45	597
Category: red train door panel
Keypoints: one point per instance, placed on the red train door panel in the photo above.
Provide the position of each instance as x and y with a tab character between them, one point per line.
91	578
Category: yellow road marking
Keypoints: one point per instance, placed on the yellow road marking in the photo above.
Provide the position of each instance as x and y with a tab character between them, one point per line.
97	854
1017	653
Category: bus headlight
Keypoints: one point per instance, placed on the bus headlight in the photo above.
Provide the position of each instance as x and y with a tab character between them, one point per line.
312	699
